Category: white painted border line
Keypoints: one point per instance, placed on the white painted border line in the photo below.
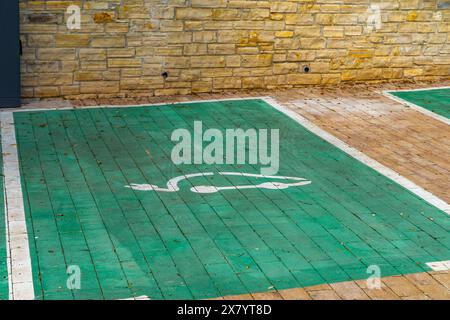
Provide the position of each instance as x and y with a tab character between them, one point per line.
137	298
21	276
134	105
415	106
419	89
358	155
439	265
8	255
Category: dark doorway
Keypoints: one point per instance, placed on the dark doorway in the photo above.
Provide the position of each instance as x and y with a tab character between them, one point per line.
9	54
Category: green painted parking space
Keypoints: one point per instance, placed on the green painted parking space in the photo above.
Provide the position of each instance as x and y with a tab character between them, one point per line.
4	293
436	100
75	165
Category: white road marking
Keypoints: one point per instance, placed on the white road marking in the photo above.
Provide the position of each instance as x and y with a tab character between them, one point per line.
172	184
420	89
137	298
265	185
415	106
439	265
8	255
391	174
19	261
135	105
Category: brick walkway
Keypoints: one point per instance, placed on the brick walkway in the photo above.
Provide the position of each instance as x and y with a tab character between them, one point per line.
423	286
408	142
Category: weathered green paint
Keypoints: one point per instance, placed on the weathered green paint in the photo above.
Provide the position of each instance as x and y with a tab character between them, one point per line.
75	164
3	255
436	100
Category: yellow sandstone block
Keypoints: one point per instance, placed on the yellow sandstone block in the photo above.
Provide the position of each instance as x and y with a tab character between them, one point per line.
52	54
303	79
171	92
258	60
108	42
333	31
103	17
124	63
409	73
201	86
284	34
72	40
285	68
93	86
55	79
207	62
46	92
226	14
193	13
284	6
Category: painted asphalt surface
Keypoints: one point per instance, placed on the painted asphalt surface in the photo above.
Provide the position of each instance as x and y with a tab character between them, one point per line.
436	100
4	293
75	164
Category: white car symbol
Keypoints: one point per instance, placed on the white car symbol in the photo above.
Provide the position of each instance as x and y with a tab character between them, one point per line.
172	184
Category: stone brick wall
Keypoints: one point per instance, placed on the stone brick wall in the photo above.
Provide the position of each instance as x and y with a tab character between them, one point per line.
124	46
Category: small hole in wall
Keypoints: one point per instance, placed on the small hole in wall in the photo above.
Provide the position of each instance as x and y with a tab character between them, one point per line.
165	74
306	69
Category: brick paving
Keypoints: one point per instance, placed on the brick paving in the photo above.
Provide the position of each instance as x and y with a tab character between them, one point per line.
410	143
423	286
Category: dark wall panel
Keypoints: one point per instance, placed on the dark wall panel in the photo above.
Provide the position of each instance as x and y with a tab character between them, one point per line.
9	54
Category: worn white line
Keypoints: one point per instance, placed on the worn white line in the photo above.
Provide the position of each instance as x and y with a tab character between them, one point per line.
439	265
417	107
419	89
404	182
21	278
8	255
137	298
134	105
